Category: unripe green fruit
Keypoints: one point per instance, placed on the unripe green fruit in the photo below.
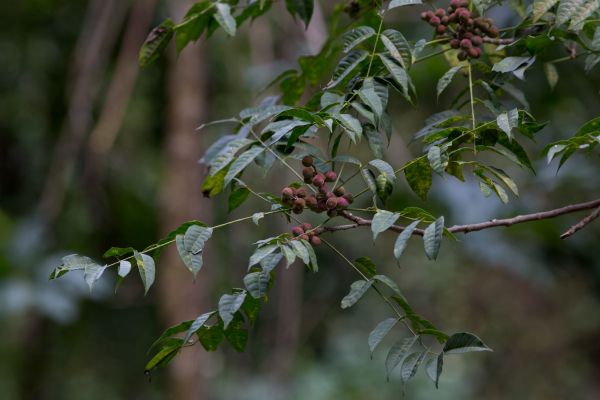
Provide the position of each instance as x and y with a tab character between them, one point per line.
332	202
297	231
307	161
330	176
306	226
339	191
315	241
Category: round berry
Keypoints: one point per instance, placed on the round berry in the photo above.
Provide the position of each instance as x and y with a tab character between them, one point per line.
330	176
455	43
349	197
474	52
440	12
297	210
315	241
307	161
318	180
424	16
304	237
440	29
430	14
435	21
299	203
455	3
287	193
445	20
342	202
493	32
331	213
332	202
477	40
306	226
466	44
297	231
339	191
463	3
308	172
323	189
462	55
311	201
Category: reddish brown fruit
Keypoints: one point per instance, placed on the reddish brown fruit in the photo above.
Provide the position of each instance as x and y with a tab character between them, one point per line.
342	202
297	231
315	241
332	213
455	4
339	191
330	176
424	16
477	40
304	237
332	202
287	193
308	172
493	32
349	197
306	226
297	210
301	193
311	201
474	52
466	44
435	21
299	203
318	180
445	20
307	161
455	43
323	189
440	29
462	55
440	12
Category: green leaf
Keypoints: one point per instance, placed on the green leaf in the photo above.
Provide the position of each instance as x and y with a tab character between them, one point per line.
541	7
313	265
351	126
237	198
374	139
226	155
118	252
380	331
368	95
156	42
464	342
566	9
398	74
401	3
260	253
384	168
507	121
72	262
438	159
346	65
163	357
446	79
357	36
146	268
398	47
582	13
194	23
411	365
382	221
241	162
434	368
191	245
432	238
516	65
289	254
366	266
301	251
257	284
398	352
418	175
302	8
210	337
236	335
229	304
269	263
402	239
173	330
389	283
551	74
369	179
357	290
93	272
196	325
124	268
224	18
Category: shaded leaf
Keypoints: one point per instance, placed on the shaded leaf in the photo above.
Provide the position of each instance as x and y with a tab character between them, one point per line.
418	175
402	239
434	368
382	221
432	238
447	78
357	36
398	352
146	268
224	18
156	42
380	331
411	365
257	284
229	304
464	342
357	290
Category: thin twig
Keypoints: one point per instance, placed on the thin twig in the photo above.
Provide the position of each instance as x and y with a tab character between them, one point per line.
581	224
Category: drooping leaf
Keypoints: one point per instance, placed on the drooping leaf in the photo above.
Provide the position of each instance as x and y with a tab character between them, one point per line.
566	9
507	121
146	268
384	168
398	47
229	304
516	65
374	139
156	42
302	8
346	66
464	342
432	238
357	36
434	368
237	198
196	325
190	246
398	74
447	78
418	175
241	162
193	25
301	251
411	365
92	273
583	12
357	290
382	221
366	266
380	331
402	239
163	357
226	155
398	352
370	97
257	284
260	253
224	18
438	159
386	280
541	7
351	126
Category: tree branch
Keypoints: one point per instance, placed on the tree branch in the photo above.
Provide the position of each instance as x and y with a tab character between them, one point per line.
359	221
581	224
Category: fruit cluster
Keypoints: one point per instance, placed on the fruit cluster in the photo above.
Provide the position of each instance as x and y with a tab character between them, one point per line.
323	200
306	232
468	31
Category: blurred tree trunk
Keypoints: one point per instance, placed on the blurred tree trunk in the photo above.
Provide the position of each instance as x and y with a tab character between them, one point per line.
180	298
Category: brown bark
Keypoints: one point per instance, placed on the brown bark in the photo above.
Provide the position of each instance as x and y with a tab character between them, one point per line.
180	298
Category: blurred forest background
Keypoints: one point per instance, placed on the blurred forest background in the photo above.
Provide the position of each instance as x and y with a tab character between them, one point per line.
95	152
